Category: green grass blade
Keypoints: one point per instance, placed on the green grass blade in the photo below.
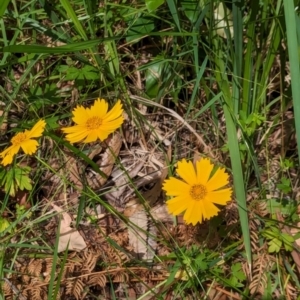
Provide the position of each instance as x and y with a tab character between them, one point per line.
234	151
61	49
238	178
293	48
71	13
173	9
238	54
3	6
248	61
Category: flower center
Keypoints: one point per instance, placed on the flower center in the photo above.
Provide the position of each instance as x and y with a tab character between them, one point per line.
19	138
198	191
93	123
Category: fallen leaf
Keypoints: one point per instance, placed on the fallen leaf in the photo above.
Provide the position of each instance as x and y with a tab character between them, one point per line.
69	237
106	162
141	233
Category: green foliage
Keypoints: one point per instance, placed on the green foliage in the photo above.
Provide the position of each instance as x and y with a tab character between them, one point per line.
21	210
286	164
277	239
284	206
238	276
15	178
84	73
214	61
251	122
138	22
153	4
285	185
4	224
196	265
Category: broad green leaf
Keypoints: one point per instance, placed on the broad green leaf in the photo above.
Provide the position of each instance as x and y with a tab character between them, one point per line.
138	26
153	4
191	9
158	72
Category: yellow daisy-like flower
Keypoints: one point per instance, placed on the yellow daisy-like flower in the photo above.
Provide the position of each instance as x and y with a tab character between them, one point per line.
198	192
25	141
95	122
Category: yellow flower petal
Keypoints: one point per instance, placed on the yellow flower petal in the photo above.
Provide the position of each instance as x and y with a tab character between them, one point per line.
220	197
92	136
218	180
114	113
79	115
24	141
193	214
204	168
176	205
209	210
7	160
95	122
175	187
74	129
194	196
186	171
8	154
111	125
100	108
5	152
75	133
37	130
29	147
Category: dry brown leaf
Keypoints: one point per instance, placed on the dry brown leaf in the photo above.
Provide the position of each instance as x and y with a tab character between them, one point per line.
69	237
141	235
3	120
153	194
74	175
121	183
106	162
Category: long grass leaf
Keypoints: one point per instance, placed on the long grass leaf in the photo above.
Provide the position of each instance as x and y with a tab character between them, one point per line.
238	178
71	13
3	6
234	150
293	50
173	9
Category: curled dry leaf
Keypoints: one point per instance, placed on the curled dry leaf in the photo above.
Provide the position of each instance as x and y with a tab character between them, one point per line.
142	234
74	175
69	237
106	162
143	231
121	183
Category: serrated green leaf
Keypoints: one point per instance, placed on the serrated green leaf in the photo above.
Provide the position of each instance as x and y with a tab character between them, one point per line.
200	262
274	245
283	206
271	233
237	271
4	224
9	184
25	184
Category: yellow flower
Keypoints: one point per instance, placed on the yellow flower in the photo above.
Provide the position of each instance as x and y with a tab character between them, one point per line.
25	141
95	122
198	192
